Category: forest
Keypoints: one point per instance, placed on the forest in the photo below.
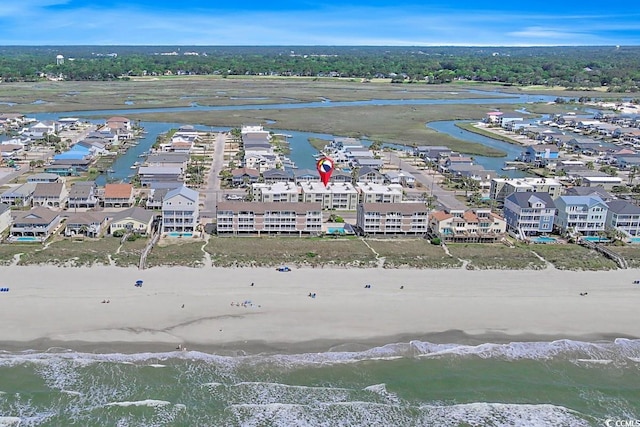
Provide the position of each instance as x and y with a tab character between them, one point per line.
579	67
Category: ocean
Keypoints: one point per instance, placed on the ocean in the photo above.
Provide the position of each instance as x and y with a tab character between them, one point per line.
559	383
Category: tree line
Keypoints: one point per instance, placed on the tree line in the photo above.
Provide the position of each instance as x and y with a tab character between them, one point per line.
617	68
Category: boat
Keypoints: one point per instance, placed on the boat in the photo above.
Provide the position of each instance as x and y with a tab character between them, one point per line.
110	170
133	167
509	168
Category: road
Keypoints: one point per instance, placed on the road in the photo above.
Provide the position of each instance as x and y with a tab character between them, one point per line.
446	198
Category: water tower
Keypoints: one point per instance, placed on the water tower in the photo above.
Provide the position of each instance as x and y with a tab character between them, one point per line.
59	60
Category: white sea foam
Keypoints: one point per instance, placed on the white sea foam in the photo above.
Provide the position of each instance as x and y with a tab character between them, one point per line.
10	421
157	365
381	390
148	402
71	392
596	361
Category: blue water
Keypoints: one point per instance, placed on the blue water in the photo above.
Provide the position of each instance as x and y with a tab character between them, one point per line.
175	234
26	239
595	239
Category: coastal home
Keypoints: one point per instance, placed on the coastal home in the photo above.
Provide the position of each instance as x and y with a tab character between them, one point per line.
86	224
254	218
377	193
372	175
44	177
276	192
623	216
5	217
50	194
339	196
19	196
540	154
118	195
396	219
339	176
166	174
35	225
586	146
501	187
132	220
121	126
306	175
180	211
597	190
156	196
432	153
244	176
277	175
168	159
529	214
406	179
472	226
11	151
586	215
68	167
83	194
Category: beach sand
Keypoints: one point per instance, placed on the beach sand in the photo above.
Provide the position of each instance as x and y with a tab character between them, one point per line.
62	307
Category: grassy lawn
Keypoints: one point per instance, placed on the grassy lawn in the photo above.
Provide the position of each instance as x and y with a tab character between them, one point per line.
174	252
129	253
573	257
414	253
9	250
73	253
274	251
631	254
495	256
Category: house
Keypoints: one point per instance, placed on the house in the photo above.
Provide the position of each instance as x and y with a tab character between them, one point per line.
35	225
121	126
586	215
44	177
180	211
19	196
529	213
83	194
68	167
244	175
50	194
87	224
118	195
306	175
540	154
597	190
472	226
151	174
398	219
623	216
268	218
168	159
432	153
339	176
156	196
133	220
339	196
5	217
502	187
368	174
406	179
11	151
277	175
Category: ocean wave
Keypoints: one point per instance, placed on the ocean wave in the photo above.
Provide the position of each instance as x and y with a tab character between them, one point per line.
147	402
357	413
619	351
10	421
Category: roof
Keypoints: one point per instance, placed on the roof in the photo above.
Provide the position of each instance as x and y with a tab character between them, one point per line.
37	215
441	215
159	170
623	207
81	218
544	147
25	189
4	208
135	213
44	176
183	191
118	191
48	189
245	171
118	119
525	198
587	191
588	201
167	158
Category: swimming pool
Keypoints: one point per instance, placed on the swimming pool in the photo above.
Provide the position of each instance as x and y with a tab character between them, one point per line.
26	239
596	239
544	239
176	234
635	240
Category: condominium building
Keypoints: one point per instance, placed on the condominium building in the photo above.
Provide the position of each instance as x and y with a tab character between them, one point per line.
180	211
275	192
393	218
529	214
476	225
586	215
379	193
338	196
268	218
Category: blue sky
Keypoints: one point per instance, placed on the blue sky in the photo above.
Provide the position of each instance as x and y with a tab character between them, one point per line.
410	22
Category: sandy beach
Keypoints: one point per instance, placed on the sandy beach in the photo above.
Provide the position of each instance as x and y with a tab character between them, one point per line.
215	308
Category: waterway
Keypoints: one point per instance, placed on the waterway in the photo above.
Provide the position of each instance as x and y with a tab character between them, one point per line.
301	151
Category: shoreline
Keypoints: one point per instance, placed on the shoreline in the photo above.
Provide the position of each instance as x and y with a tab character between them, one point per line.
50	307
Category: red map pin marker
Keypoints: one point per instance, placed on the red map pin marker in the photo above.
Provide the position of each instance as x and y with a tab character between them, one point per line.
325	168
